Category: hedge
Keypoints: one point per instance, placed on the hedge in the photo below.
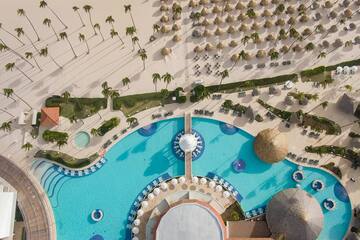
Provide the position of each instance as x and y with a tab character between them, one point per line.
312	72
54	136
350	63
65	159
108	125
262	82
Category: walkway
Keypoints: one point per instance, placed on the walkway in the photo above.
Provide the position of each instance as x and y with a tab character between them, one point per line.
188	155
32	201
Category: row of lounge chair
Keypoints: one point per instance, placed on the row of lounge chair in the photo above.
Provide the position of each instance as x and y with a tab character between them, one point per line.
203	112
302	160
263	65
216	96
159	115
255	212
226	185
80	173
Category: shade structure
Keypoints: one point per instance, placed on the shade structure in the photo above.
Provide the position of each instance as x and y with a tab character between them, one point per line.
174	181
140	212
270	145
151	196
188	142
182	179
137	222
195	179
144	204
157	191
212	184
295	214
135	230
218	188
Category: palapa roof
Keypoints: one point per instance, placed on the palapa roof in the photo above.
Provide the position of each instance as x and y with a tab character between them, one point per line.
50	116
295	214
198	49
270	145
165	51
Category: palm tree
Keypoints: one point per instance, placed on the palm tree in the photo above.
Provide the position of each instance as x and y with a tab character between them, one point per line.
245	40
44	53
131	31
114	33
167	78
63	35
4	47
322	55
11	66
30	55
21	32
66	96
87	9
83	39
127	8
21	12
156	77
131	121
61	143
110	20
6	126
8	92
94	132
114	94
224	74
5	30
97	27
76	9
126	81
27	146
44	4
47	22
135	40
143	57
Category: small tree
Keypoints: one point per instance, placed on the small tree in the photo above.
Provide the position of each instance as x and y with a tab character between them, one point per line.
87	9
156	77
63	36
76	9
83	39
6	126
126	82
43	4
27	146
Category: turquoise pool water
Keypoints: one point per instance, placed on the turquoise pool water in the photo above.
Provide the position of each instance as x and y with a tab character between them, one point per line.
82	139
138	159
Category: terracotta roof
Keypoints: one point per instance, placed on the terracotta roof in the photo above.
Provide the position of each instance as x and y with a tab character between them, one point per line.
50	116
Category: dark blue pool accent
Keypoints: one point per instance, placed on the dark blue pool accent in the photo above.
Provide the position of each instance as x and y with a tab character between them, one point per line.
136	204
196	154
228	186
148	130
341	193
238	165
228	128
97	237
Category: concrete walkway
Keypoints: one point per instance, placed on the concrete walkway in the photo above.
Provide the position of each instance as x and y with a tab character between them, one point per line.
32	201
188	155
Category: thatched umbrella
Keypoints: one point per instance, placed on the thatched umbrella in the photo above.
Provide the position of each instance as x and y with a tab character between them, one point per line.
176	38
231	30
164	19
216	10
209	47
280	22
251	4
315	6
328	4
289	100
338	43
218	21
204	2
233	44
164	29
297	48
270	38
284	49
275	1
348	13
220	45
306	32
235	57
243	28
229	19
268	24
291	21
198	49
228	8
271	146
205	22
242	17
255	26
204	12
193	4
264	2
296	214
165	51
325	44
239	6
261	54
164	8
219	32
207	33
266	13
290	10
332	14
176	27
304	19
196	33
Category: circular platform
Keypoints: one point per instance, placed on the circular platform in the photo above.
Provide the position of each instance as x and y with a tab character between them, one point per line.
195	143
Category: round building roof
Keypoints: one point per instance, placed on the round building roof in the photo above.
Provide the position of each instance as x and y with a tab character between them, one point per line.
188	142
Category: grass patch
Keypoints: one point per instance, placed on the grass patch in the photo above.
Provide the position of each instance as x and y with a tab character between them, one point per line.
233	213
77	108
65	159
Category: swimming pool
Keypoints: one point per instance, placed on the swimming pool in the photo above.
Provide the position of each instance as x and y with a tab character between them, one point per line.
137	159
82	139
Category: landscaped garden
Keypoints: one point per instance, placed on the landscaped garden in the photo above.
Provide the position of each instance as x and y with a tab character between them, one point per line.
65	159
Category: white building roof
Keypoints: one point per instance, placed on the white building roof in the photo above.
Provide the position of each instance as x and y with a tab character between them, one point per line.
188	142
7	213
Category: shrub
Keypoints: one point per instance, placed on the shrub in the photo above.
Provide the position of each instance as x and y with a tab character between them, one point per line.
312	72
181	99
65	159
334	169
54	136
259	118
354	135
108	125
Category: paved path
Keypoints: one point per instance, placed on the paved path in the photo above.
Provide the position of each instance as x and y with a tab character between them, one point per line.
188	155
32	201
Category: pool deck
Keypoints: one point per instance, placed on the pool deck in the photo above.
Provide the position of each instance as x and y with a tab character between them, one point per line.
32	200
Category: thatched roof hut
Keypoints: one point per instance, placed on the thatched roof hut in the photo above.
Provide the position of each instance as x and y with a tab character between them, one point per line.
218	21
231	30
193	4
233	44
216	10
235	57
176	38
228	8
198	49
239	6
219	32
242	17
207	33
204	12
164	29
164	8
176	27
164	19
243	28
251	4
209	47
220	45
271	146
295	214
266	13
261	54
165	51
229	19
205	22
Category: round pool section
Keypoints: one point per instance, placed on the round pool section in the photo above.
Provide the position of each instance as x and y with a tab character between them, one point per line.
194	221
82	139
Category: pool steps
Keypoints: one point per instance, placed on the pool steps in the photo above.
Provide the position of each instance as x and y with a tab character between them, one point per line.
80	173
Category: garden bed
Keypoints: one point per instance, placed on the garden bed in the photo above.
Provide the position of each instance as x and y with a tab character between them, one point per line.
228	104
65	159
54	136
108	125
233	213
77	108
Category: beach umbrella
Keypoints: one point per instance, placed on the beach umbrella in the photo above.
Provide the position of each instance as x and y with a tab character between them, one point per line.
135	238
198	49
216	10
137	222
353	69
165	51
182	179
346	70
144	204
163	186
135	230
151	196
176	27
174	181
203	181
339	70
209	47
207	33
212	184
157	191
195	179
218	188
176	38
164	19
226	194
140	212
220	45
